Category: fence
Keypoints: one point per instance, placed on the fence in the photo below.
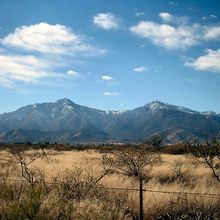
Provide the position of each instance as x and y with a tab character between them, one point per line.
200	194
144	190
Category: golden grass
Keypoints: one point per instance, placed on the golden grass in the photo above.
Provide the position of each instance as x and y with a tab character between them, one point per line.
200	178
57	162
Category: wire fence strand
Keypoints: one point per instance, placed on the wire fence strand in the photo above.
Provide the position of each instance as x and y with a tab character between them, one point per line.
199	194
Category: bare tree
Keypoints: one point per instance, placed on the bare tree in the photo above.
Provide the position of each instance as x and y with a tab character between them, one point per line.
24	159
208	152
80	184
132	163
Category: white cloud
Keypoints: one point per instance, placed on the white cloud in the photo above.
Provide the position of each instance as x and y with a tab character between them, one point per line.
208	62
140	69
138	14
49	39
106	21
27	69
169	18
212	33
36	52
111	94
176	32
209	17
173	3
22	68
213	16
167	36
72	73
166	16
107	78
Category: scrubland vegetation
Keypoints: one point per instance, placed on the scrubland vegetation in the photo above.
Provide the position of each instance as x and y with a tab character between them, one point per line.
102	183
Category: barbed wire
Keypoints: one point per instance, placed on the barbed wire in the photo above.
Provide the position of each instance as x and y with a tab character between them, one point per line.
165	192
200	194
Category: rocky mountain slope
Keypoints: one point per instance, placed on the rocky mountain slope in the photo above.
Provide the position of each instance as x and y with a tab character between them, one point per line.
69	122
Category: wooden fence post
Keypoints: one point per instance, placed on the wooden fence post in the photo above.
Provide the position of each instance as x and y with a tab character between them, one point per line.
141	210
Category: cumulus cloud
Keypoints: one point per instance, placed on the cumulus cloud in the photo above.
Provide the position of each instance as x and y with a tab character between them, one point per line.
208	62
111	94
165	35
176	32
72	73
140	69
107	78
49	39
212	33
39	51
27	69
169	18
22	68
166	16
106	21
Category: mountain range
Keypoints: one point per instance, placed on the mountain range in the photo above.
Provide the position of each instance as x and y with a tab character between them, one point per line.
66	121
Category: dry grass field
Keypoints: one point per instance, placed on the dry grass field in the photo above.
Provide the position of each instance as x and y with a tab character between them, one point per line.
68	189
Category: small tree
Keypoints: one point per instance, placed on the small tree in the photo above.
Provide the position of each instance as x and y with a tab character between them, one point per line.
132	163
208	152
29	200
154	140
24	160
80	184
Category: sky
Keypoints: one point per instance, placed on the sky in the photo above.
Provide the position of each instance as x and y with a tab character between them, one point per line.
110	55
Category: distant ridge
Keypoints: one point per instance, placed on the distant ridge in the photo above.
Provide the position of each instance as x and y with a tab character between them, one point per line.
66	121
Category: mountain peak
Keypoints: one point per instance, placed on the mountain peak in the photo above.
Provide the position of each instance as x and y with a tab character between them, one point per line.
65	120
156	105
157	101
65	101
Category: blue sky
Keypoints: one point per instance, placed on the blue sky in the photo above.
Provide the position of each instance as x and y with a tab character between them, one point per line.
110	54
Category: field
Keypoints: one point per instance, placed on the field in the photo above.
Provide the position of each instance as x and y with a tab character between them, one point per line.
73	185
